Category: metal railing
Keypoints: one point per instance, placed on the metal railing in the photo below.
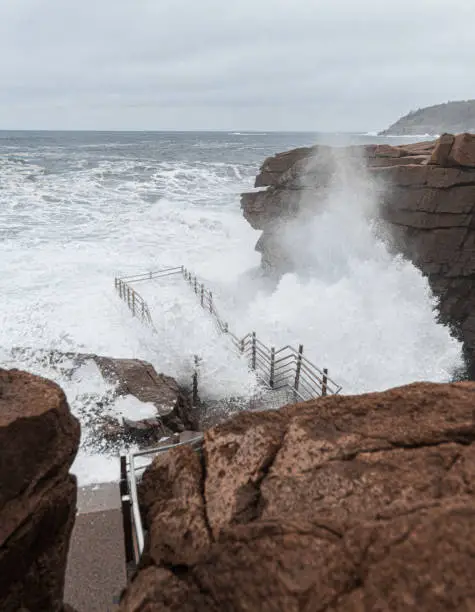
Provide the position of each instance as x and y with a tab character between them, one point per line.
286	367
136	278
137	305
276	368
281	368
130	475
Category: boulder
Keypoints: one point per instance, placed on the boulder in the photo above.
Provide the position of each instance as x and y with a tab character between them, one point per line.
129	377
139	378
143	431
462	152
441	152
174	509
39	439
341	503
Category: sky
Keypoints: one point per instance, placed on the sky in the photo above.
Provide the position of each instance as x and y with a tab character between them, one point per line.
303	65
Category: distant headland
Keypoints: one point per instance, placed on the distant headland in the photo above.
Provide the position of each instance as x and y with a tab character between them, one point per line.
453	117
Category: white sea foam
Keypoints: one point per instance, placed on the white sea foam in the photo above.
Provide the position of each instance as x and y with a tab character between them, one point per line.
96	468
65	235
129	407
414	137
368	316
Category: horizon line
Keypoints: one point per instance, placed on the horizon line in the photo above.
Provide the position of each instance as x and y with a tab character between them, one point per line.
229	131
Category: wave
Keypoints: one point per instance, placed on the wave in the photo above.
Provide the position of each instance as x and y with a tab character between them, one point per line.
248	133
368	316
413	136
360	312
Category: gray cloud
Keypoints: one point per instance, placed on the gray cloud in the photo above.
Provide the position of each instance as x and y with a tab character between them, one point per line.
262	64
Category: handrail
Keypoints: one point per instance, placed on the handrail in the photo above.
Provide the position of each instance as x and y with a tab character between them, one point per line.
129	494
267	362
137	305
151	275
135	505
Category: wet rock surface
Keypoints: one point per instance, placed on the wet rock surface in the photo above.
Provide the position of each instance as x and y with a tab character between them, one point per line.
339	504
39	439
140	379
129	378
427	197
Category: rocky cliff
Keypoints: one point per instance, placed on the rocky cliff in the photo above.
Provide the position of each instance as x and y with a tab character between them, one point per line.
452	117
339	504
39	439
427	198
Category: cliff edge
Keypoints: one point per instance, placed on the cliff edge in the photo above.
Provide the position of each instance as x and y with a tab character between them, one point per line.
428	204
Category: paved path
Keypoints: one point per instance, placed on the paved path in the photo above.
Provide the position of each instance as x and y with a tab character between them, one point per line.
96	564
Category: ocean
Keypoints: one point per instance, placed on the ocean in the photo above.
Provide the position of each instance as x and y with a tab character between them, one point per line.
79	208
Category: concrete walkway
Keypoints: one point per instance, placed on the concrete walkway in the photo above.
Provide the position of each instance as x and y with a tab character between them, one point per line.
96	574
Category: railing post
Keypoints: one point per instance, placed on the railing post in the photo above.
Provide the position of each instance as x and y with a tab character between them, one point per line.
143	310
298	367
225	328
202	295
128	296
150	275
272	367
195	382
196	285
126	512
253	350
324	382
242	346
133	302
210	302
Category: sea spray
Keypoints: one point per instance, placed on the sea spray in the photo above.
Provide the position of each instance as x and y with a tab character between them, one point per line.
367	315
76	211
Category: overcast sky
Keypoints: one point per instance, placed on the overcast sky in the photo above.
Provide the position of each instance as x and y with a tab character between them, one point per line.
326	65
